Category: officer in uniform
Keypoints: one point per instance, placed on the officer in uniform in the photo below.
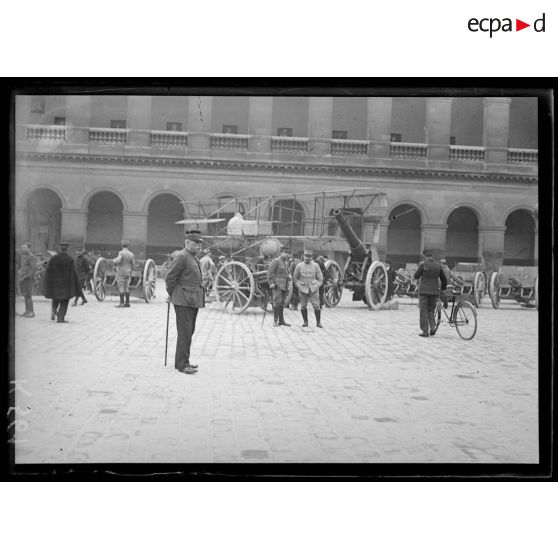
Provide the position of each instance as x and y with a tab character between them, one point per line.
208	270
278	278
429	272
308	278
125	262
26	276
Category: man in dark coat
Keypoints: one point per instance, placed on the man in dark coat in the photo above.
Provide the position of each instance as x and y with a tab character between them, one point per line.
61	282
185	289
26	275
83	270
391	280
278	278
429	272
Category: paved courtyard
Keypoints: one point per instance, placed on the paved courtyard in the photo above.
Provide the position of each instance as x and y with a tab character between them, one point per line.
364	389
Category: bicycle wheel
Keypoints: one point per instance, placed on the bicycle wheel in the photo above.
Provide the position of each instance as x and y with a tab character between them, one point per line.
465	320
437	315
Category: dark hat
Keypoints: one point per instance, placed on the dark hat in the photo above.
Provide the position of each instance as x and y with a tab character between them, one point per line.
125	243
427	253
194	236
64	243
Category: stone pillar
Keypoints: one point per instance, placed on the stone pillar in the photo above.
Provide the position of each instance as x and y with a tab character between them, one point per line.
22	115
134	229
496	129
74	226
199	123
259	124
320	115
138	120
20	227
438	126
78	118
378	126
491	247
433	237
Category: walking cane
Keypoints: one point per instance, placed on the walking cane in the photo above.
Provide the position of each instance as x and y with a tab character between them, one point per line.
167	333
265	307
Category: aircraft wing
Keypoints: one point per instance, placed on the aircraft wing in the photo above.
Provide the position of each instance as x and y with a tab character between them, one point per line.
198	221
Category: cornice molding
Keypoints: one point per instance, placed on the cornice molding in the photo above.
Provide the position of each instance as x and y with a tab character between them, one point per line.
275	166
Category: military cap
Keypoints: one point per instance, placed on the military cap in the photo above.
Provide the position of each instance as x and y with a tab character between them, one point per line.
64	243
427	253
194	236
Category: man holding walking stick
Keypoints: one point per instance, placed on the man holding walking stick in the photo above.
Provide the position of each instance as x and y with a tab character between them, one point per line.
184	287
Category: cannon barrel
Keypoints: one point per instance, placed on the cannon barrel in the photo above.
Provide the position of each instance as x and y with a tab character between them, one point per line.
358	251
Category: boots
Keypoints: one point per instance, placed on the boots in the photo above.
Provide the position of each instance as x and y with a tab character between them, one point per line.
282	319
304	313
127	305
275	317
318	318
121	305
75	301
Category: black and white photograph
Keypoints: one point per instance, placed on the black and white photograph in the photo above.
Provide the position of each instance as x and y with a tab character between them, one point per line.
302	276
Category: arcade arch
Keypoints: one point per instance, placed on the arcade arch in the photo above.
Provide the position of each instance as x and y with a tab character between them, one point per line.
462	237
104	222
43	220
163	235
519	238
404	234
288	217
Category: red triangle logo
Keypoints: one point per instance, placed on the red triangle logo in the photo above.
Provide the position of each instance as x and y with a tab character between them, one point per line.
519	25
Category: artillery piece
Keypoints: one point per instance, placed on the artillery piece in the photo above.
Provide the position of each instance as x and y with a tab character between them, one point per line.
515	283
142	280
405	283
469	281
363	274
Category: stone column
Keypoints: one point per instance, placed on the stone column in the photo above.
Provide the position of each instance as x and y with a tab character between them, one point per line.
20	227
259	124
74	226
78	118
433	237
491	247
320	114
496	129
199	123
381	238
438	126
378	126
134	229
138	120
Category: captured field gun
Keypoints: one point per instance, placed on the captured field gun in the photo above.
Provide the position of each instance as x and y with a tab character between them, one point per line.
363	274
469	281
142	280
405	283
515	283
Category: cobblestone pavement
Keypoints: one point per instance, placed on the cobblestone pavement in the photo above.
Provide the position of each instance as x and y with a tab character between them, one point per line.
365	388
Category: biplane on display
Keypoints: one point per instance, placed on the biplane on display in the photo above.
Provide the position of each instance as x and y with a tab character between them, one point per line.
249	232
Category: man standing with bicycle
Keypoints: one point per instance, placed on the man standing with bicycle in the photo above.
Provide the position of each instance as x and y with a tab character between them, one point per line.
430	272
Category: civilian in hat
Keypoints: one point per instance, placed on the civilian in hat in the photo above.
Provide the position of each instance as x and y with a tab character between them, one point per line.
185	289
208	270
61	282
308	278
429	272
278	278
124	264
83	269
28	266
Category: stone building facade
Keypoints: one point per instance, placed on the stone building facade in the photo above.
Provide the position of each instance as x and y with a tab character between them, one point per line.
460	174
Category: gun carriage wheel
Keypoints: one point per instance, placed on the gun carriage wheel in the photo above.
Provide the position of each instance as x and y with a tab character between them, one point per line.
376	285
149	280
235	287
479	288
99	278
334	288
493	290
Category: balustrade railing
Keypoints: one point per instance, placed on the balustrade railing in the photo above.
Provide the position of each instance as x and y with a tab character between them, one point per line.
466	153
352	148
108	135
46	133
289	145
169	139
229	141
523	156
408	150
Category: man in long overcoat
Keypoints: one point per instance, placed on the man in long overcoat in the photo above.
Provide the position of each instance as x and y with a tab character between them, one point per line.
429	272
83	269
61	282
26	275
278	278
185	289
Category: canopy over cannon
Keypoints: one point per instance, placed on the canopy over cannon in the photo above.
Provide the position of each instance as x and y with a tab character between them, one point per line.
515	283
142	280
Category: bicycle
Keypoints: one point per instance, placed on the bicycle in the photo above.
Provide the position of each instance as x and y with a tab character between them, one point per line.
463	315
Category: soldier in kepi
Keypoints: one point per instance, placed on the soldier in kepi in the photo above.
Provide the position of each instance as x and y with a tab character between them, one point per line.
308	278
26	276
124	264
278	278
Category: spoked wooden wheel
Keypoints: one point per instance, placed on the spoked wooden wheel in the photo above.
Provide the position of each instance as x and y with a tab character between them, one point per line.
493	290
99	279
235	287
465	320
334	287
149	280
376	285
479	288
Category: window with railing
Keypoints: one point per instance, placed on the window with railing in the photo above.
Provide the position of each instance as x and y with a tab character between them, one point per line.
408	150
351	148
169	138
